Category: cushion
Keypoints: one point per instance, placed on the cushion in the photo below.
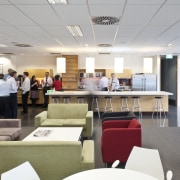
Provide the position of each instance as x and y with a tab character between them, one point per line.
52	122
75	122
134	123
5	138
12	132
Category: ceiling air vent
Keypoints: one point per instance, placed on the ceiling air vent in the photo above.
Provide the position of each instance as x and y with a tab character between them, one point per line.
105	20
106	53
8	53
23	45
58	54
104	45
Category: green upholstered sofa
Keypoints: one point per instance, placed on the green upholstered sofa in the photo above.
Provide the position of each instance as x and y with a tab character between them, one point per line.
10	129
74	115
51	160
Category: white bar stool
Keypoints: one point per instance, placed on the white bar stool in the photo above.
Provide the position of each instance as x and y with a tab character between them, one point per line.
66	99
136	106
96	107
108	103
55	99
80	99
124	103
159	110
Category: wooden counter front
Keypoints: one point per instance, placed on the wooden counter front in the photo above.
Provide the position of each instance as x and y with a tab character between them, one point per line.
39	101
147	98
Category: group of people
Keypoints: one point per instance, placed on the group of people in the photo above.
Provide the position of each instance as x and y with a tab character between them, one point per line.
48	83
9	85
111	84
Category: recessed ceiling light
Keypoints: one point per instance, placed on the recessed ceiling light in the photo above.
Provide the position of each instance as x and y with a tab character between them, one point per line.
169	44
58	1
3	45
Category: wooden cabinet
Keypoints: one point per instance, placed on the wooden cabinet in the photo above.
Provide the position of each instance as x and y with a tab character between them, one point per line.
39	101
39	73
127	73
70	78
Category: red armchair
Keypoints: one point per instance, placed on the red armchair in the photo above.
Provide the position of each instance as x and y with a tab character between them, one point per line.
118	139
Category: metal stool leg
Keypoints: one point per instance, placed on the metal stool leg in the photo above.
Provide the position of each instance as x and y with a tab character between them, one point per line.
124	100
136	105
108	100
159	109
95	100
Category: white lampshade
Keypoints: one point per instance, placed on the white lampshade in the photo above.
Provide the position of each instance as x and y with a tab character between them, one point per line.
118	65
89	65
61	64
148	65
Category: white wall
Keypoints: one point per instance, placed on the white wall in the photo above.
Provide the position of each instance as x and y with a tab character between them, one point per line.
107	62
19	63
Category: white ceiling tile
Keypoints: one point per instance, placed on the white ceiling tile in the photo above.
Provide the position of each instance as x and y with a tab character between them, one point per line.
13	16
145	2
4	2
130	31
138	14
167	15
106	10
41	14
105	2
28	1
33	31
73	14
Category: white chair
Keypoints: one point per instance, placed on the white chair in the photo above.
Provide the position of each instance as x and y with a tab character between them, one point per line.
147	161
22	172
115	164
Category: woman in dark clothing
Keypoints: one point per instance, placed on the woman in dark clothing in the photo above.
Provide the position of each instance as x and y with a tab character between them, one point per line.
34	90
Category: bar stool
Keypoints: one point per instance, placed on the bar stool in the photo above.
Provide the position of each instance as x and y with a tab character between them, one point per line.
136	106
55	99
159	109
66	99
95	101
124	103
80	99
108	103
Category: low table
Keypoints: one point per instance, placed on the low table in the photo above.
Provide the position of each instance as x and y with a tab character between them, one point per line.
55	134
110	173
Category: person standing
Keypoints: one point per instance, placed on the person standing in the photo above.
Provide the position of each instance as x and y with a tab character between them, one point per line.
13	94
103	83
34	90
25	93
47	83
57	85
4	98
114	82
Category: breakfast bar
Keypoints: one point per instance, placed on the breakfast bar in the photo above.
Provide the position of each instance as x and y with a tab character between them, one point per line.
147	98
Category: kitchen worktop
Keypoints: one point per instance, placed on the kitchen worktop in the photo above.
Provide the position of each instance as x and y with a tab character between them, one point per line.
113	93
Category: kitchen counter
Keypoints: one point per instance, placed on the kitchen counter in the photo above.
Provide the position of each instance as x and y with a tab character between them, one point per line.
146	98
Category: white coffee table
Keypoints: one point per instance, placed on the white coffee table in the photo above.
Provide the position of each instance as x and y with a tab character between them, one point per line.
55	134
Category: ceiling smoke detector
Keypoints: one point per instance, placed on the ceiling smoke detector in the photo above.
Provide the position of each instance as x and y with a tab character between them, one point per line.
105	20
23	45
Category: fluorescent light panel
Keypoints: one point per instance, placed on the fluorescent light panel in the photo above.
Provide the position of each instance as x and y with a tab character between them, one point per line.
58	1
118	65
61	65
75	30
148	63
89	65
